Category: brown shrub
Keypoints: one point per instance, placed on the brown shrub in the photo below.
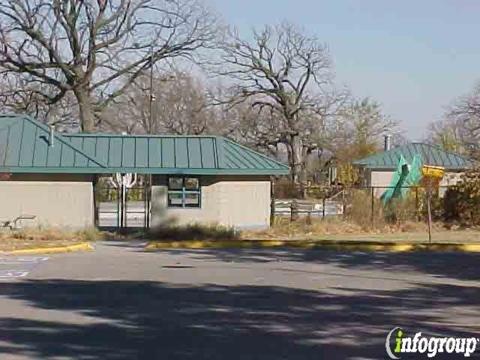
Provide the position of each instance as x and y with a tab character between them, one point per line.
52	234
461	203
192	232
359	209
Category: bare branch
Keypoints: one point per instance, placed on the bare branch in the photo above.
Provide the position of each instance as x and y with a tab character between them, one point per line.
286	76
96	49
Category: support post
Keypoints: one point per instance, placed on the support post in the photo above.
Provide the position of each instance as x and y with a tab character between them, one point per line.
294	210
119	208
372	214
323	207
150	185
429	210
122	206
125	208
96	220
272	201
148	194
417	205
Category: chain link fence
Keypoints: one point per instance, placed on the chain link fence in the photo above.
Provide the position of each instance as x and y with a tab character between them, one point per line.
364	205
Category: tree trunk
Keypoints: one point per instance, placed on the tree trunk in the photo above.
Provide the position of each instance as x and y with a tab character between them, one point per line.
297	160
87	117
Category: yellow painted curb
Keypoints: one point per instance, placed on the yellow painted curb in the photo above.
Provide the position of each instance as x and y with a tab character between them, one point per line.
86	246
471	247
309	244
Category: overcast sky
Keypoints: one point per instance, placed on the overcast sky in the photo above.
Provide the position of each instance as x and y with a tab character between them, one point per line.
414	57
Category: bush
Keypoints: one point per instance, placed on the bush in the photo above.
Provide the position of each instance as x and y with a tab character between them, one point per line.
461	202
304	229
402	210
359	209
284	189
193	232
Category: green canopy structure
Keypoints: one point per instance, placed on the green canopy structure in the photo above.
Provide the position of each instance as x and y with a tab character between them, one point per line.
406	176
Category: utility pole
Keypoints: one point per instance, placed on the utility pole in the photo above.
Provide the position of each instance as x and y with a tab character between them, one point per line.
151	95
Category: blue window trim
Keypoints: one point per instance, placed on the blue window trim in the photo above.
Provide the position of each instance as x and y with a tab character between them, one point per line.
184	192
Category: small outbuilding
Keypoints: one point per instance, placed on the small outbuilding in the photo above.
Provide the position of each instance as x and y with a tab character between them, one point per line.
188	179
377	170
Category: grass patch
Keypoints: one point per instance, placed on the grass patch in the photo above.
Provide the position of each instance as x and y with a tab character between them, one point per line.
337	229
40	237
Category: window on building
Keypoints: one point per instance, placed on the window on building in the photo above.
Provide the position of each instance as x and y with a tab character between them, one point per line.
184	192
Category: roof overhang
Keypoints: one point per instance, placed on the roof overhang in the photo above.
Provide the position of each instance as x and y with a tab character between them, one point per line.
151	171
380	168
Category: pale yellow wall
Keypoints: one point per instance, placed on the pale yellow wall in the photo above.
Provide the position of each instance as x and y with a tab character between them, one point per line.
241	202
54	203
384	178
379	179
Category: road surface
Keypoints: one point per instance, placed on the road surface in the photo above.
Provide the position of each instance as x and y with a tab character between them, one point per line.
121	302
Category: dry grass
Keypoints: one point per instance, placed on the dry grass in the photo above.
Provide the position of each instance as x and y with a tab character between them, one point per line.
303	229
338	229
40	237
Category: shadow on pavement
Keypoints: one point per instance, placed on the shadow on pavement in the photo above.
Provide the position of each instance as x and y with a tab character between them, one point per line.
154	320
456	265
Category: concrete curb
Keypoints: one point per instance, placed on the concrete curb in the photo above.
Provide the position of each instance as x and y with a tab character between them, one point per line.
309	244
85	246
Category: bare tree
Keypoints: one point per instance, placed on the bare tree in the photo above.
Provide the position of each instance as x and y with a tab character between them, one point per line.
95	49
17	95
180	106
464	117
361	127
448	134
287	75
466	110
253	126
357	131
459	130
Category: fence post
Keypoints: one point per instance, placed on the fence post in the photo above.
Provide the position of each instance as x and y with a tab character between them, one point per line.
149	200
417	210
429	210
272	202
323	208
119	208
372	215
95	202
294	210
309	217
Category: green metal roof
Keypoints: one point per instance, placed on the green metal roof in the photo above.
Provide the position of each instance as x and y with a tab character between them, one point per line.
430	155
25	148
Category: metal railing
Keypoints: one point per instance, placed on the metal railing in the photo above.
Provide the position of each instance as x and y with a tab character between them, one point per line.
342	202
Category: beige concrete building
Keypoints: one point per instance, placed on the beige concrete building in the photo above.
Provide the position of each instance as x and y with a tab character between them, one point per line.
50	203
239	201
80	180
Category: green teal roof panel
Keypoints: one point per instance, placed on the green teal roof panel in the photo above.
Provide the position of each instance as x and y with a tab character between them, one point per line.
430	155
25	147
25	144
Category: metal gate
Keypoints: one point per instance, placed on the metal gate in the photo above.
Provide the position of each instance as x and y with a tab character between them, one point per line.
119	205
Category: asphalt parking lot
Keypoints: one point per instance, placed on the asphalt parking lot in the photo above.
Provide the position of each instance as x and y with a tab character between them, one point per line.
121	302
